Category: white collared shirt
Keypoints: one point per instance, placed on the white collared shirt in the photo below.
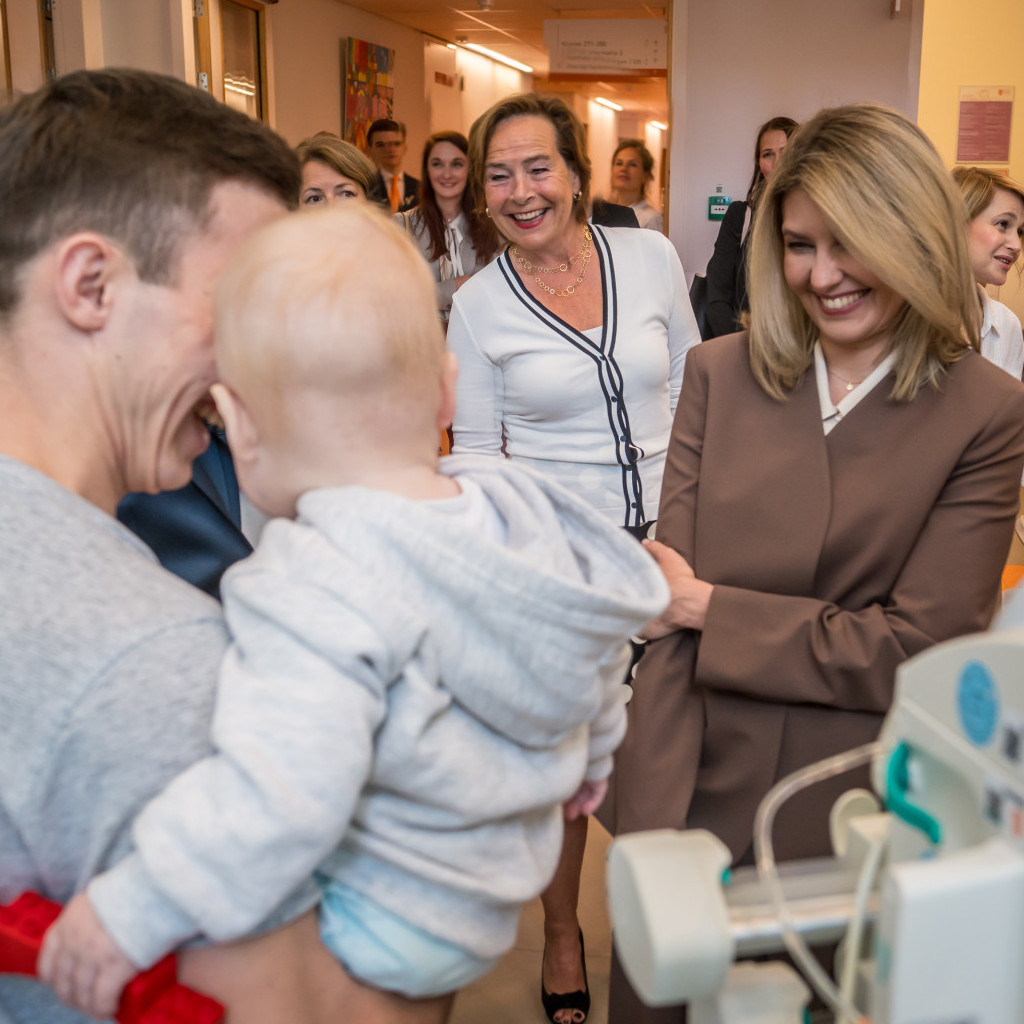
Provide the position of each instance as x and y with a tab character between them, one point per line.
1002	341
831	413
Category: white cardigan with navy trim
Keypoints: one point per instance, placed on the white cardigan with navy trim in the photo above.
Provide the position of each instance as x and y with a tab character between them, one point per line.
592	408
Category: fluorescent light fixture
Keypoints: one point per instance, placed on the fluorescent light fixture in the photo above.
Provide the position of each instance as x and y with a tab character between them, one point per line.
500	58
659	125
607	103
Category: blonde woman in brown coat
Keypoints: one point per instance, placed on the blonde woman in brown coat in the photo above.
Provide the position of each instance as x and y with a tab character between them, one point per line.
839	495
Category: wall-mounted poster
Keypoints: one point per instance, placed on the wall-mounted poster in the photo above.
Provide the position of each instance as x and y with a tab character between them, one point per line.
369	87
983	132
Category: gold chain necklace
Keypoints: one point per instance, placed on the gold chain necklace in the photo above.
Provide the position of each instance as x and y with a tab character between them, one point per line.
850	384
583	256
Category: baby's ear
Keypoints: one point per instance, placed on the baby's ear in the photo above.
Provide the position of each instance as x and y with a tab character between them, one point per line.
449	378
243	437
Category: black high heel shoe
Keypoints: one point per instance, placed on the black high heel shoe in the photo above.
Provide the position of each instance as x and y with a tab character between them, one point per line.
578	1000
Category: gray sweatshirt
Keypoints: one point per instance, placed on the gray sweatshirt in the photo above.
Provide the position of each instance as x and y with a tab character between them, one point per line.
108	667
406	705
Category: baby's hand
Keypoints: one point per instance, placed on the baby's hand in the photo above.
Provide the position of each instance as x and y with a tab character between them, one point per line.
82	963
585	800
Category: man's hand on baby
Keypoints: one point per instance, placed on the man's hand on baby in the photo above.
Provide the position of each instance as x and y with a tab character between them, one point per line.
586	799
82	963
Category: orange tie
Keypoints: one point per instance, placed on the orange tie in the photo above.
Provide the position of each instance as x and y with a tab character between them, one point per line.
395	199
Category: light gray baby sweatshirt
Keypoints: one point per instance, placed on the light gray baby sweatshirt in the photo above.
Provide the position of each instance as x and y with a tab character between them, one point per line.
406	705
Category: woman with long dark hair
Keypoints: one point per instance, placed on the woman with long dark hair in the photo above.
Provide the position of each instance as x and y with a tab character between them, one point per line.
727	269
454	239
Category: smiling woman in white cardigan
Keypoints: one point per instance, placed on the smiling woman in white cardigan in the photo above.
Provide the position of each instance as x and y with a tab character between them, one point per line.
571	346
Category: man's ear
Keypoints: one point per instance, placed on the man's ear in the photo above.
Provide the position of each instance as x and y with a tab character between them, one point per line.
243	436
449	378
88	265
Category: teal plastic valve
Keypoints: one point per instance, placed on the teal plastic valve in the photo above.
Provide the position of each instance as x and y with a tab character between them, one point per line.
896	786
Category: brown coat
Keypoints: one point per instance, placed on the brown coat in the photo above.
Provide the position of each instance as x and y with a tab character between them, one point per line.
834	559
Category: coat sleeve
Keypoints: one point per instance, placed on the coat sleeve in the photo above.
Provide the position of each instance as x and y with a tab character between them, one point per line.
479	392
229	838
722	307
948	585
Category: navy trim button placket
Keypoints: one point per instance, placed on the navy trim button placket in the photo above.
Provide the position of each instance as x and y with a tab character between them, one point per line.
627	454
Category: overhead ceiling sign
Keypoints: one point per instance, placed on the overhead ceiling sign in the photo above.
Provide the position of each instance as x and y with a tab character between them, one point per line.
632	46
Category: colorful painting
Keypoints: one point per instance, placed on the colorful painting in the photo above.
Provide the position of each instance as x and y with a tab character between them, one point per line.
369	88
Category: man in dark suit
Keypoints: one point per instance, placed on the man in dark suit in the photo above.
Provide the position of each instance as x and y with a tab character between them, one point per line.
195	531
612	215
385	143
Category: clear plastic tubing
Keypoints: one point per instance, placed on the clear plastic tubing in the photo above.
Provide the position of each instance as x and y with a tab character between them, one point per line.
767	869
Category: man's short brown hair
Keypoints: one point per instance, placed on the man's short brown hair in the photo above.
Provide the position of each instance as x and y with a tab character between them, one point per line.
131	155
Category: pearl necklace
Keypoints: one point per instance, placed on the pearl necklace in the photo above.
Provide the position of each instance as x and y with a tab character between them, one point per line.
583	256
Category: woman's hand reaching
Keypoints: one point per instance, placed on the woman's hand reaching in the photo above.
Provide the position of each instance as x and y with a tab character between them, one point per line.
690	598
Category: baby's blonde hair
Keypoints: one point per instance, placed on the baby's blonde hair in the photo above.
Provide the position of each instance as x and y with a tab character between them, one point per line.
341	303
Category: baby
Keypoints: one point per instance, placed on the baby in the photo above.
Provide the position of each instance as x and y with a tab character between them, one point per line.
426	660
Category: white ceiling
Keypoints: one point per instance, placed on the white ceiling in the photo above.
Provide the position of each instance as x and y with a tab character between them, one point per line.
515	28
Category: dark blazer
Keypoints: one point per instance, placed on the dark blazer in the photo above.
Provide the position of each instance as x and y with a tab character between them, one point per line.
410	186
833	559
195	531
727	275
612	215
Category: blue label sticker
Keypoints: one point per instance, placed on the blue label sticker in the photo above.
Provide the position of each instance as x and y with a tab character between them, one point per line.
978	703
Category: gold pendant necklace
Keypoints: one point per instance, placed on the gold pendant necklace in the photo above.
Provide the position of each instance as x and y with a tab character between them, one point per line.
583	257
850	384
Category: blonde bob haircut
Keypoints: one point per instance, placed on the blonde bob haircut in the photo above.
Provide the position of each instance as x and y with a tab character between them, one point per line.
978	186
887	197
340	156
304	307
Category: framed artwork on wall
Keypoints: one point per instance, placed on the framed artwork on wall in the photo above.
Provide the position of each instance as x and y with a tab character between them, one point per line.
369	88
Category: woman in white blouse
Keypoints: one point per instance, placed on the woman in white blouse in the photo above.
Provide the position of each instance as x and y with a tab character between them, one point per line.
995	205
632	174
571	347
453	238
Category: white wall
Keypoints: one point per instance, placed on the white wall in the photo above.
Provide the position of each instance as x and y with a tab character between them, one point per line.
484	82
141	34
25	45
308	45
478	83
736	63
155	35
308	37
602	138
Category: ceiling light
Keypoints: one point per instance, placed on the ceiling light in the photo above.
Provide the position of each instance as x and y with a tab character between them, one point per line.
659	125
498	57
607	103
451	46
